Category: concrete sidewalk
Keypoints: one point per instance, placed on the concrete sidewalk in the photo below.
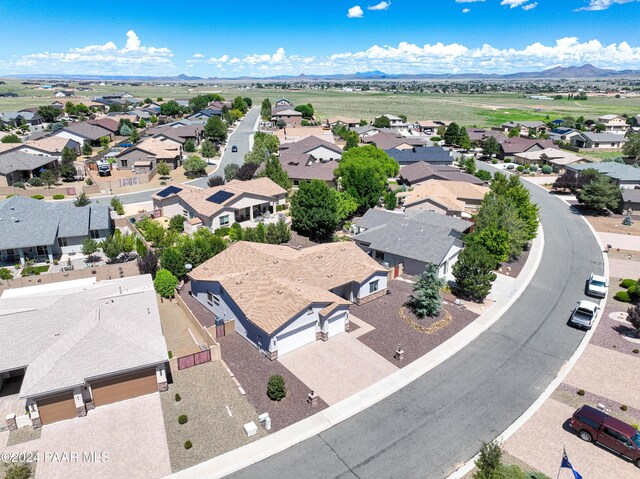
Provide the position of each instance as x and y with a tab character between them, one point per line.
506	292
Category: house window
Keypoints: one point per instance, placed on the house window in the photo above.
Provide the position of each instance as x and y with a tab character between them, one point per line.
62	242
185	213
310	310
213	299
224	220
380	255
124	163
95	234
373	286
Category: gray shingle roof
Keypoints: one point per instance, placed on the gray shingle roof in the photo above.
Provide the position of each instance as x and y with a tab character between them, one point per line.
86	130
612	169
425	236
81	333
603	137
20	161
632	195
39	222
429	154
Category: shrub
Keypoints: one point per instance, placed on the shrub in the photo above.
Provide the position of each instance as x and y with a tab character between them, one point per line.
165	283
281	207
580	392
88	181
58	197
636	351
635	426
634	290
5	273
625	283
533	168
170	354
494	161
624	407
276	389
546	169
520	168
623	296
526	171
183	419
178	397
224	231
37	197
18	184
188	445
18	471
35	181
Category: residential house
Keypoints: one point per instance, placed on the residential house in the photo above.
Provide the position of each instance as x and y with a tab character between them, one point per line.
107	123
82	345
233	202
510	147
178	133
430	127
435	155
631	200
41	230
19	166
344	121
64	94
289	116
453	198
422	171
603	141
614	124
291	135
411	239
479	135
283	102
282	298
525	127
563	134
17	118
144	157
395	121
626	176
50	145
386	141
310	158
85	132
8	94
204	115
556	158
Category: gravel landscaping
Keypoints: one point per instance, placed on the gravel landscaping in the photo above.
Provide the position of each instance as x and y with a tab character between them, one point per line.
205	317
24	434
252	369
206	392
513	268
395	325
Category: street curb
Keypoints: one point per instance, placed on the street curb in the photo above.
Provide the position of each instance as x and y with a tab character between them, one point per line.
277	442
564	370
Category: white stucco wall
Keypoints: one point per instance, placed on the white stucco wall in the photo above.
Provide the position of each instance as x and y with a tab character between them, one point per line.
381	277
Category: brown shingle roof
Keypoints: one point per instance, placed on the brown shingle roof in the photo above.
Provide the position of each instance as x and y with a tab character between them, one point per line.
106	123
422	171
451	194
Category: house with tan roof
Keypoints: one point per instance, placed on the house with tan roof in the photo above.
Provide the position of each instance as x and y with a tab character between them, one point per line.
234	202
282	298
50	145
344	121
452	198
557	159
289	116
146	155
430	127
615	124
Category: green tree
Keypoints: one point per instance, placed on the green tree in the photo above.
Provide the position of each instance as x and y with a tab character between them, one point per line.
527	211
152	231
163	169
498	212
87	150
173	260
464	141
11	138
490	147
153	119
489	462
276	389
495	241
632	146
89	247
148	262
125	130
170	108
189	146
425	300
82	200
306	110
347	204
117	205
5	274
248	101
48	113
111	247
176	223
514	132
484	175
67	168
314	210
230	172
239	104
215	129
382	122
208	149
142	123
134	137
104	142
470	166
474	272
451	134
265	109
165	283
274	171
390	200
601	194
195	166
48	178
352	140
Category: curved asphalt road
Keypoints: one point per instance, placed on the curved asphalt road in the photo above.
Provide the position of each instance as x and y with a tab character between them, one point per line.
434	425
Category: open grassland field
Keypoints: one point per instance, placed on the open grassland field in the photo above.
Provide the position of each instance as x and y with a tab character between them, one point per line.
469	110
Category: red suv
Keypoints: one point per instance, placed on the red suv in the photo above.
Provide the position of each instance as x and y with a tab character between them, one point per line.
594	425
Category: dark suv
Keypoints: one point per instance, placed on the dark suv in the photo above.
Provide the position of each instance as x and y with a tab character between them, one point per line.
594	425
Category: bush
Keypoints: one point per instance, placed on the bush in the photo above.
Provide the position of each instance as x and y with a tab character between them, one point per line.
170	354
623	296
636	351
18	471
37	197
224	231
546	169
494	161
165	283
183	419
526	171
624	407
281	207
634	290
533	168
178	397
276	390
58	197
18	184
580	392
626	283
520	168
88	181
35	181
188	445
5	273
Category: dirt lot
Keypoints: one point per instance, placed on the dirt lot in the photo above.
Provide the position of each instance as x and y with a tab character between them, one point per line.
181	337
612	223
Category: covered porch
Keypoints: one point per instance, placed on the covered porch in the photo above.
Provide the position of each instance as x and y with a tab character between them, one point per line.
256	212
39	254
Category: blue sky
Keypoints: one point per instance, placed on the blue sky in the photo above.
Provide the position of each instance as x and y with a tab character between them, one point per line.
259	38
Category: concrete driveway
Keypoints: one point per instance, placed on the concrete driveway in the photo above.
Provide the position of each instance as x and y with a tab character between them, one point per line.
338	368
130	432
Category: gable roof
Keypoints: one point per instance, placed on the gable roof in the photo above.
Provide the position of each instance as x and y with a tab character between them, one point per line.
14	160
614	170
603	137
306	145
81	333
518	145
450	194
421	171
385	140
107	123
54	144
160	149
87	130
427	154
287	112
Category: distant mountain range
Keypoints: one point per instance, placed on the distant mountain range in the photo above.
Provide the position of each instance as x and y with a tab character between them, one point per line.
558	73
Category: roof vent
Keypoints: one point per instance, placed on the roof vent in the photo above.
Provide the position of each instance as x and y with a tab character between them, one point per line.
239	282
275	261
319	256
330	275
279	291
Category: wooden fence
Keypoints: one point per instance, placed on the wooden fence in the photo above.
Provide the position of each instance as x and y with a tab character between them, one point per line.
194	359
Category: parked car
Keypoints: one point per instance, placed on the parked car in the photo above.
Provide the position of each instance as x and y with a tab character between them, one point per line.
234	149
595	425
597	286
584	314
104	169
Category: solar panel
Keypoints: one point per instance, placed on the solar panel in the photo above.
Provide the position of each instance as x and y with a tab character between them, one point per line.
220	197
171	190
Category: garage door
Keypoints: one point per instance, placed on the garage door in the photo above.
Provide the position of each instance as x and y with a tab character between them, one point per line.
295	339
124	387
336	325
57	408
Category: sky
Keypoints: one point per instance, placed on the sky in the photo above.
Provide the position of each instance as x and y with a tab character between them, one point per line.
221	38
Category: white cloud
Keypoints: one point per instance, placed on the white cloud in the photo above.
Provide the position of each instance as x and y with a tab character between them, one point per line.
466	10
92	59
513	3
595	5
380	6
198	55
355	12
530	6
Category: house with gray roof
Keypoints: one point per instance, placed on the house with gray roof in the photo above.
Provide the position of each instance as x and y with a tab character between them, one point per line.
602	141
85	132
411	239
434	155
631	200
19	166
421	171
16	118
81	345
626	176
40	230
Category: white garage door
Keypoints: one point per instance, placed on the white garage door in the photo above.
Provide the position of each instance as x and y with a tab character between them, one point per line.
336	325
295	339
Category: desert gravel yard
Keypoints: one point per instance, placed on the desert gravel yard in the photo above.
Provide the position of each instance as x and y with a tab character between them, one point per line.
216	412
181	337
396	326
253	369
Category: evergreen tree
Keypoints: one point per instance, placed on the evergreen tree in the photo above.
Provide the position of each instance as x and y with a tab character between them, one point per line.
474	272
273	170
425	300
601	194
314	210
452	134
